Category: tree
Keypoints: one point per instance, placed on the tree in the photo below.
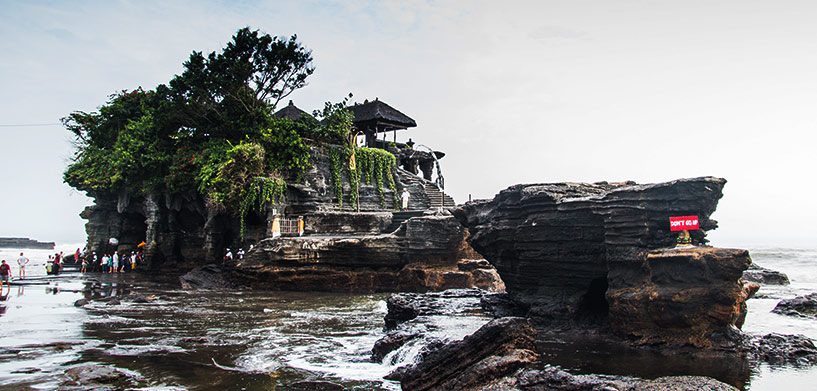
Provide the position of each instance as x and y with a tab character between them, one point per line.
233	93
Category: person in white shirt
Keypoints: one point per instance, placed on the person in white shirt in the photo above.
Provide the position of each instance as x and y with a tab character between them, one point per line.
405	197
22	262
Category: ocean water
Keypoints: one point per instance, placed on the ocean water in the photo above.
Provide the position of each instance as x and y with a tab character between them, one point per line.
265	340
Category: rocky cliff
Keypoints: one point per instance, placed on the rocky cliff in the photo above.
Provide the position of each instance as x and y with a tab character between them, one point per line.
181	231
576	251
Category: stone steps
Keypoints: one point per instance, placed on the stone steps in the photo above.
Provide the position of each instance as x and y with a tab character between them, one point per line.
399	217
438	199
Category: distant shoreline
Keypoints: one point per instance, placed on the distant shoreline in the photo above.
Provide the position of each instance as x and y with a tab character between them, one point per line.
25	243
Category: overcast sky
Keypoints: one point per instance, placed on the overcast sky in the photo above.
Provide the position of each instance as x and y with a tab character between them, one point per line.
513	92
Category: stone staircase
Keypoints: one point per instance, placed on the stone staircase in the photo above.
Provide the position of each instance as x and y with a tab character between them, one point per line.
399	217
438	199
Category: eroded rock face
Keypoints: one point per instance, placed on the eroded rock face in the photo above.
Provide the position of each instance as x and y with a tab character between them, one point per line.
180	230
421	256
579	251
693	296
497	349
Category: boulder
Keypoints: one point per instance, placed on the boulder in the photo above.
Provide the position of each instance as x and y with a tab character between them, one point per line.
802	306
761	275
208	277
777	348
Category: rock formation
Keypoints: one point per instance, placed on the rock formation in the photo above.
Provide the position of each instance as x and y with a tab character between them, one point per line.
25	243
802	306
571	252
501	356
181	231
422	255
763	276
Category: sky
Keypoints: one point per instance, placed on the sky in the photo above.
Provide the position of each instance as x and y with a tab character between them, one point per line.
512	91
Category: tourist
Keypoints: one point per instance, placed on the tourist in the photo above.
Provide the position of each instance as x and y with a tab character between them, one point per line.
228	256
125	264
22	262
49	265
115	262
84	265
405	198
300	227
5	275
103	263
76	256
276	227
240	254
57	264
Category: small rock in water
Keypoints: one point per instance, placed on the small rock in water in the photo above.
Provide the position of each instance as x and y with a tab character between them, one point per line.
804	306
81	303
763	276
782	349
27	370
312	385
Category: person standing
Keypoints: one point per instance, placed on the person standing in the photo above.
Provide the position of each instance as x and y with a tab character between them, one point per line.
405	198
5	274
22	262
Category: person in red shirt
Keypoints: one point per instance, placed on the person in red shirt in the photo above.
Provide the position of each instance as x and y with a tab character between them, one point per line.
5	274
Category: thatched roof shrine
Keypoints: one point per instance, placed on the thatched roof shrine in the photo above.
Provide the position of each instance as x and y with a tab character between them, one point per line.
376	116
290	112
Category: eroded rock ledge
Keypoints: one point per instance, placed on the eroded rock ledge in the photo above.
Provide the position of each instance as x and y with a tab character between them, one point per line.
427	253
602	253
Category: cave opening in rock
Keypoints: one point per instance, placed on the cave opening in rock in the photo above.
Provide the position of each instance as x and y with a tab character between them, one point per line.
594	302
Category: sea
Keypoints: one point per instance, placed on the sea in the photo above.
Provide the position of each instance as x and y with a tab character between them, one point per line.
249	340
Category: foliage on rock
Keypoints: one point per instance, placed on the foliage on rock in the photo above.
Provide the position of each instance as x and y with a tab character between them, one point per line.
210	129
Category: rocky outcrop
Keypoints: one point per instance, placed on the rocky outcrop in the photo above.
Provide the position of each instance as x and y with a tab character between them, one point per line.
571	252
420	256
761	275
181	231
802	306
693	297
779	349
497	349
209	277
552	378
501	356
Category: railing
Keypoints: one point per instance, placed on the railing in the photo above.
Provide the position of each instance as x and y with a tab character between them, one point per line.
287	227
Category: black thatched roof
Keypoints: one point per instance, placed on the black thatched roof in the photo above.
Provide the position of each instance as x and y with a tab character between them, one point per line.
379	117
290	112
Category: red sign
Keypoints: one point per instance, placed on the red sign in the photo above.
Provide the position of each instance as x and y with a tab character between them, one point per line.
683	223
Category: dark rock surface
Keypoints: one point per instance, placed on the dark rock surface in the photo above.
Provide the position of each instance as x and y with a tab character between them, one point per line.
761	275
391	342
579	252
314	385
554	379
406	306
94	375
499	348
694	296
785	349
210	277
803	306
327	223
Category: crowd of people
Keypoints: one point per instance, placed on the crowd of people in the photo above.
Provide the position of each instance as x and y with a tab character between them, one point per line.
115	262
